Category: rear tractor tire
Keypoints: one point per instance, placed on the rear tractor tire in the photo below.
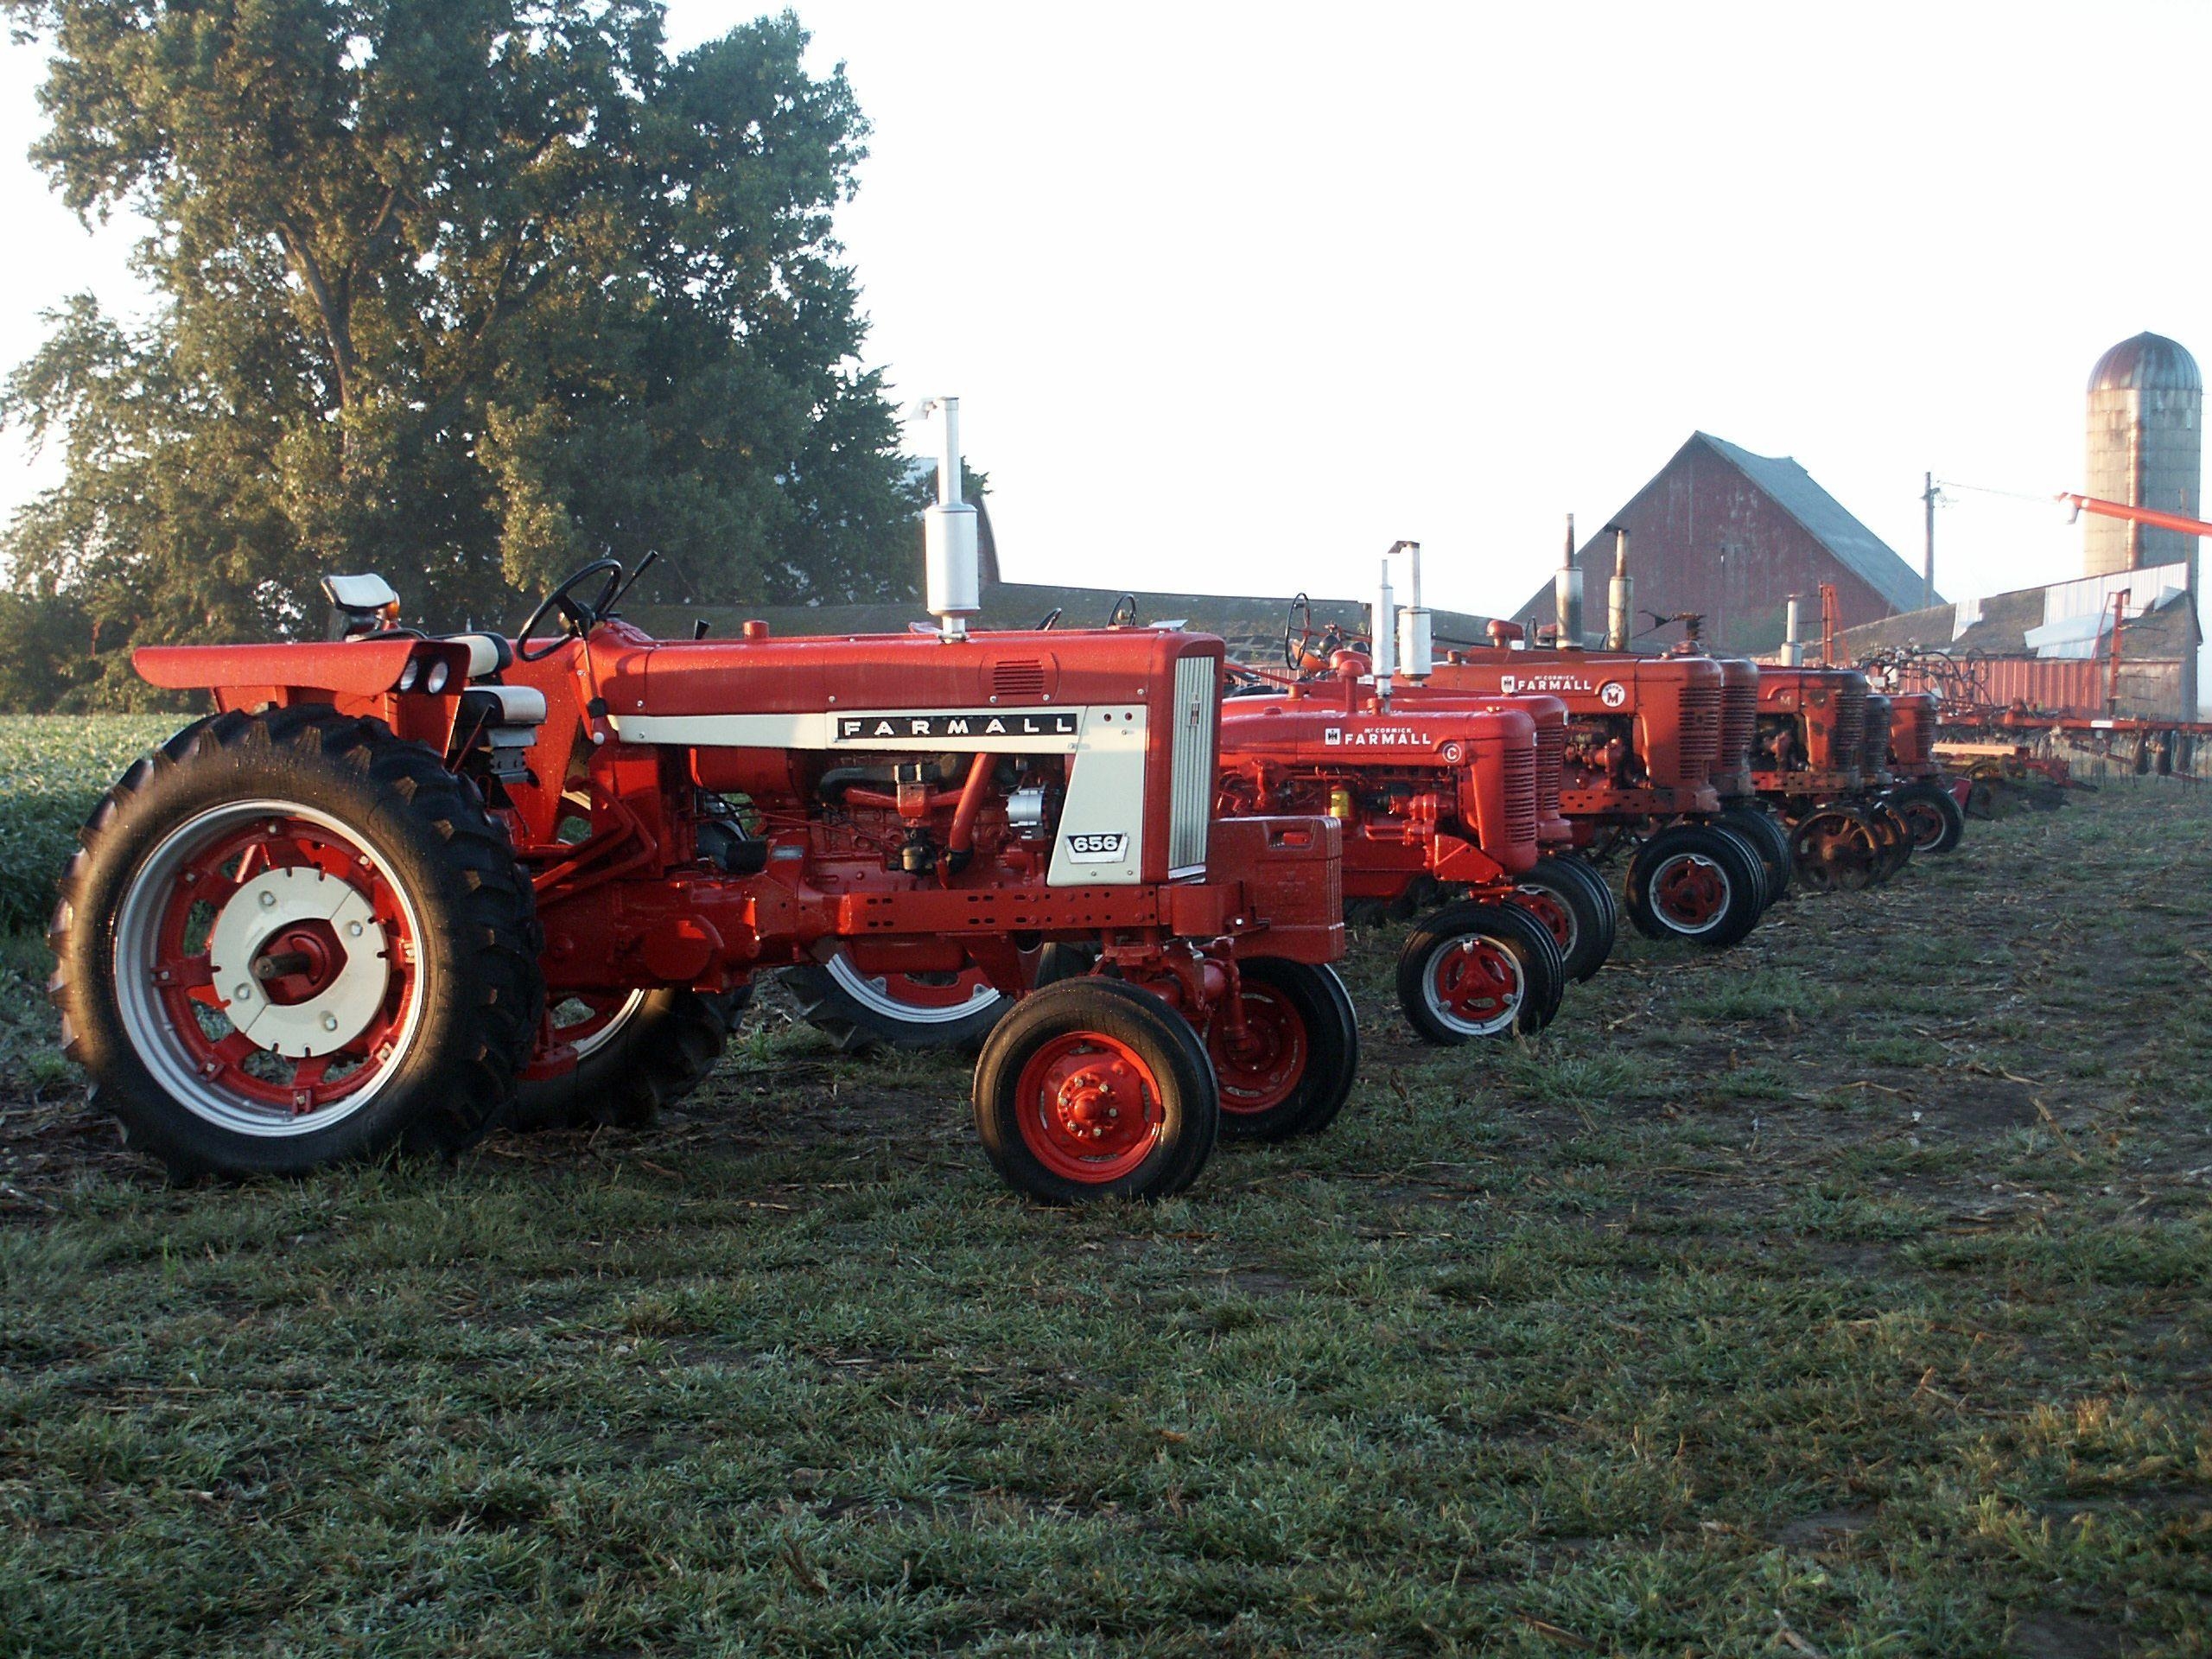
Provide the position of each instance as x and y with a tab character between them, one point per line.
636	1052
1695	883
1932	813
1475	970
1293	1069
293	939
1094	1089
1573	900
861	1011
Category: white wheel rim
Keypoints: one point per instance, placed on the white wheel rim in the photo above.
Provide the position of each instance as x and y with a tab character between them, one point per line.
146	1022
874	994
1688	930
1450	1018
592	1041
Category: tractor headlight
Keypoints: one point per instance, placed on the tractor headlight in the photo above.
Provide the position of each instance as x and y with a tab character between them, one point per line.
407	676
434	680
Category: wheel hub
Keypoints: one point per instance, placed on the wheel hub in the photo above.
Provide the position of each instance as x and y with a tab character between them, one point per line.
1091	1107
1475	984
298	961
1689	892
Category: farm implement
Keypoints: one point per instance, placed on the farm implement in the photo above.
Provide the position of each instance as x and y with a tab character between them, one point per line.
400	888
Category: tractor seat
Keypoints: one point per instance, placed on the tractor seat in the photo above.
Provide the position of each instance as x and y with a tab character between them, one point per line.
488	652
506	706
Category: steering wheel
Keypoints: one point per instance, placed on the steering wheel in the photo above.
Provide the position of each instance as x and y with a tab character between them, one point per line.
1294	651
578	618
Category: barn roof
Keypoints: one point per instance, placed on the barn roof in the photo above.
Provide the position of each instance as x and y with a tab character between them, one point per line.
1826	520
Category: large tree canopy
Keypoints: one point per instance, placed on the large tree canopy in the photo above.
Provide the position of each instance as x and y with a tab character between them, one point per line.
466	291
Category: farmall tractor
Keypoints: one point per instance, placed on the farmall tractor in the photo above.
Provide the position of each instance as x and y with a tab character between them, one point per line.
1922	795
1810	765
1447	803
399	888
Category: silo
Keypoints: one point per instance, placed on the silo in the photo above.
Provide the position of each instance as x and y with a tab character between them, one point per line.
2146	404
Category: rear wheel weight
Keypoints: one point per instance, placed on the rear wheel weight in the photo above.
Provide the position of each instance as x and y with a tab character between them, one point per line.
295	939
1477	971
1693	883
1092	1088
1292	1070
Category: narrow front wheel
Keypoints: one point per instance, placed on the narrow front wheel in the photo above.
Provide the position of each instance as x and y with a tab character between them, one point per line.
1477	971
1290	1070
1091	1088
1573	902
1696	884
1932	813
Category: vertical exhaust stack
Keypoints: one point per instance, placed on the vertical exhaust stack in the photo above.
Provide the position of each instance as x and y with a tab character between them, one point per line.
1383	628
951	567
1793	642
1620	601
1416	625
1566	594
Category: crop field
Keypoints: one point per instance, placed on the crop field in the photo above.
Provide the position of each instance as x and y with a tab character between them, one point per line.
1845	1294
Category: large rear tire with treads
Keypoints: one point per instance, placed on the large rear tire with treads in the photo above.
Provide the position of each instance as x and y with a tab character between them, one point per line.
295	939
637	1053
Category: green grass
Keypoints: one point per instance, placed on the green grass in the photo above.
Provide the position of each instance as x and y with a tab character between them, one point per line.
1756	1308
53	769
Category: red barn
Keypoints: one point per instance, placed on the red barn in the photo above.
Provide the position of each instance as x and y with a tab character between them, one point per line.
1731	536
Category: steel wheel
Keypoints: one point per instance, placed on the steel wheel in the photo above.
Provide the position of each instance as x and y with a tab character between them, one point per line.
1836	850
265	965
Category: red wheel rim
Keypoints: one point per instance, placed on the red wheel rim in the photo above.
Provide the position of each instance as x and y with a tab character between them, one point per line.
1089	1107
353	983
1689	893
1474	985
1261	1069
1552	910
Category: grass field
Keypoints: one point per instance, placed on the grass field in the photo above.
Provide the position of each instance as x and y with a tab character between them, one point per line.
1843	1295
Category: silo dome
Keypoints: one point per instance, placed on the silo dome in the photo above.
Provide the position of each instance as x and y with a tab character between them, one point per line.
2148	362
2147	407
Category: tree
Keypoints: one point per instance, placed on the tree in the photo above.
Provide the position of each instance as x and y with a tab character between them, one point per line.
467	291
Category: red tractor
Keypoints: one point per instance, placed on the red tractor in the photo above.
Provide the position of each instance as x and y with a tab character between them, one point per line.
400	889
1922	795
1810	765
1443	806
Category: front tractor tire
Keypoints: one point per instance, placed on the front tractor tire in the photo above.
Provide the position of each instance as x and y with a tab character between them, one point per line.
293	939
1291	1072
1768	840
636	1052
1933	814
1695	883
860	1011
1573	900
1475	970
1093	1089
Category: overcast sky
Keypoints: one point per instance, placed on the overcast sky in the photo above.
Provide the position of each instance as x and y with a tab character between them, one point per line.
1235	296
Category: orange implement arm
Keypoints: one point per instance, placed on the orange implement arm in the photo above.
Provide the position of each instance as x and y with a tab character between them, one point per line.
2151	516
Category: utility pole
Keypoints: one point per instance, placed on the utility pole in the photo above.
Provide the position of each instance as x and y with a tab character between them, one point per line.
1927	563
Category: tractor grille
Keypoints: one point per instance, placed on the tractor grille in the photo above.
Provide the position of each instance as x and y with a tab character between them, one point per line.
1190	801
1520	770
1912	733
1739	720
1850	725
1875	751
1700	752
1551	756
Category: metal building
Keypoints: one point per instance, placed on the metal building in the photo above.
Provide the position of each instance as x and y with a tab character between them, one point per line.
1732	536
2145	448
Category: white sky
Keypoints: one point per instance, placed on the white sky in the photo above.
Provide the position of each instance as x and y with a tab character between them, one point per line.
1234	295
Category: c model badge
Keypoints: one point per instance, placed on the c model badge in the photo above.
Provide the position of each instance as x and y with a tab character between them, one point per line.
1099	847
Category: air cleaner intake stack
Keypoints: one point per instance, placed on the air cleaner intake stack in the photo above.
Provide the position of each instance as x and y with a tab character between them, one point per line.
1383	629
1416	624
1793	643
951	567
